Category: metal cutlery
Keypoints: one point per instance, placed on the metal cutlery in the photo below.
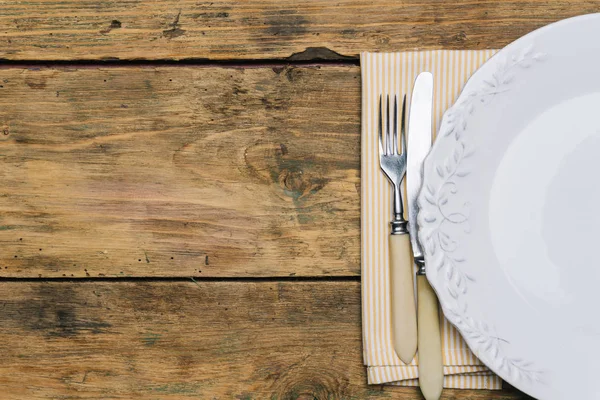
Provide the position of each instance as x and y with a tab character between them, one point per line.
431	374
393	164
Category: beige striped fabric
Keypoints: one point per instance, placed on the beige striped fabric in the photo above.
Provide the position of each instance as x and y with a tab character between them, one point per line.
394	73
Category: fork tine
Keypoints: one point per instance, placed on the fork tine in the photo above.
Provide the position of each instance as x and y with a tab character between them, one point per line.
395	142
388	136
403	122
380	127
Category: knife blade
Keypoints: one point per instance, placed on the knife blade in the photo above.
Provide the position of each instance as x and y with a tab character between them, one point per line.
431	374
419	143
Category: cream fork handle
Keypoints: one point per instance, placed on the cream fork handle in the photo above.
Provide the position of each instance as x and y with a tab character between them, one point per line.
431	372
404	318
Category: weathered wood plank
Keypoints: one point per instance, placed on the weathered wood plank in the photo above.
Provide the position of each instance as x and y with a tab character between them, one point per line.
264	29
161	340
179	172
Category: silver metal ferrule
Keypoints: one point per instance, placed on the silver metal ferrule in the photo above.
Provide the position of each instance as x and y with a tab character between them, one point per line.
399	224
399	227
420	261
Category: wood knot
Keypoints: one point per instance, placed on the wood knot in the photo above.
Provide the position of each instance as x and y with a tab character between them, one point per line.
293	74
114	24
36	82
298	184
293	180
310	386
461	37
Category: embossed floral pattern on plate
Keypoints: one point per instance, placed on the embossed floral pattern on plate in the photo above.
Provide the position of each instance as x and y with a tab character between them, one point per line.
440	217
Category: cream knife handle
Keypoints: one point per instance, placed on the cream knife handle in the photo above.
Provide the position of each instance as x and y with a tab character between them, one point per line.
431	371
404	318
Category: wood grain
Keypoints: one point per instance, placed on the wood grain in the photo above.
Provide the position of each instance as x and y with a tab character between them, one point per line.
264	29
179	172
177	340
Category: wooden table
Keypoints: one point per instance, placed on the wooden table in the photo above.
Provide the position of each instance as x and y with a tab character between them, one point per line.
179	208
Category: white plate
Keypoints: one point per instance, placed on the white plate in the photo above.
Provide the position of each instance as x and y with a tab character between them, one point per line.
510	218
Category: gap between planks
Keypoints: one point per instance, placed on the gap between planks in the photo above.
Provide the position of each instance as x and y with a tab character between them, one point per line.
194	279
20	64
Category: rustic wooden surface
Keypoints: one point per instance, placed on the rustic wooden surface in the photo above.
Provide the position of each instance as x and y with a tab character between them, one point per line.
179	171
190	229
259	29
208	340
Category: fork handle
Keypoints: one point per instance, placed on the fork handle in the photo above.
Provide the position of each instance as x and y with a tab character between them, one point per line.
431	372
404	315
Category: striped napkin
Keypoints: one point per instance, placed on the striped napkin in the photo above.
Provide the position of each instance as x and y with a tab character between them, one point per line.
394	73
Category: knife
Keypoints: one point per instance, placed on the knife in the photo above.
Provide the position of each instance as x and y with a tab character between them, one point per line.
431	374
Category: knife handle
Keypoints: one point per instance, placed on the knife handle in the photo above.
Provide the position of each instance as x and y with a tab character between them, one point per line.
404	318
431	370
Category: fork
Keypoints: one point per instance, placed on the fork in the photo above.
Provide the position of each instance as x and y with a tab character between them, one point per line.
393	165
